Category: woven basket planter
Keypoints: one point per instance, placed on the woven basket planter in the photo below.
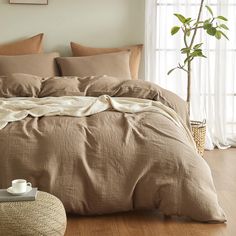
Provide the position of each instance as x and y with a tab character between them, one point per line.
199	135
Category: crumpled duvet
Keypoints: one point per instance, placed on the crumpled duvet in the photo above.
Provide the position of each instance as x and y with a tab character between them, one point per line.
132	154
16	109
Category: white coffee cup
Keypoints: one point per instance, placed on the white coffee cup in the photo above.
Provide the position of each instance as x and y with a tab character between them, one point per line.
20	185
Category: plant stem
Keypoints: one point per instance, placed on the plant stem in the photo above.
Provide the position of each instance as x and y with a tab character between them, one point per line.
185	40
198	19
189	62
199	27
189	84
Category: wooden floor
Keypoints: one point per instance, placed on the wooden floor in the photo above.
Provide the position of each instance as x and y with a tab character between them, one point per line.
223	165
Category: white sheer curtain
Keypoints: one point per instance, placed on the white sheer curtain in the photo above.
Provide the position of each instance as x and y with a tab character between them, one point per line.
214	78
150	39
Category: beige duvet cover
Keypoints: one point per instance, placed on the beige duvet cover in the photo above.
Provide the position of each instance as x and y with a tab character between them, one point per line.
110	161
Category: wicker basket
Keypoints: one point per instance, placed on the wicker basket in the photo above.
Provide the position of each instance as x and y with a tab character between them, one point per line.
199	135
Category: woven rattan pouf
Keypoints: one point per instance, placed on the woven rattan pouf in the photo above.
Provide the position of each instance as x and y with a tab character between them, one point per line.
44	216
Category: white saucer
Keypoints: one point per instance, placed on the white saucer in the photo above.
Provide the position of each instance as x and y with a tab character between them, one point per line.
28	189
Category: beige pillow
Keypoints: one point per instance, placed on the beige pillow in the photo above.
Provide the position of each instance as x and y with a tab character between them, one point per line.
20	85
135	54
112	64
28	46
35	64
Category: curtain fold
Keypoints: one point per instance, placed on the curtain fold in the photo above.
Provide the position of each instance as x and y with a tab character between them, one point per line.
213	79
150	39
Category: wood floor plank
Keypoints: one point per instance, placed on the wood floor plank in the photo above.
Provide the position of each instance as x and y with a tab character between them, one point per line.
151	223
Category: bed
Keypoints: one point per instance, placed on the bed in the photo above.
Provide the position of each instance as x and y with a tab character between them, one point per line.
102	145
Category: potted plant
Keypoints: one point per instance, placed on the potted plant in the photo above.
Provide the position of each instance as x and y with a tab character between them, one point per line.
213	26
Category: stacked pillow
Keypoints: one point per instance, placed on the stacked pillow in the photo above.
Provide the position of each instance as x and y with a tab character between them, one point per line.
113	64
25	56
28	46
79	50
36	64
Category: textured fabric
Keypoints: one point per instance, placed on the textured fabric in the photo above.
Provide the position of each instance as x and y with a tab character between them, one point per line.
135	54
44	216
16	109
35	64
112	64
28	46
20	85
112	161
23	85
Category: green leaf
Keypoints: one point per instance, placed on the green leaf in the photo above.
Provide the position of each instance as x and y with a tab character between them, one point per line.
196	53
180	17
170	71
185	50
207	25
222	18
223	34
210	10
224	26
197	46
207	21
218	34
174	30
188	20
211	31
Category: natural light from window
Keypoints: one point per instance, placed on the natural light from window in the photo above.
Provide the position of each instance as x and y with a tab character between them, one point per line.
205	71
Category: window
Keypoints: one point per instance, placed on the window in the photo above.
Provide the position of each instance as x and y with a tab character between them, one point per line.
214	78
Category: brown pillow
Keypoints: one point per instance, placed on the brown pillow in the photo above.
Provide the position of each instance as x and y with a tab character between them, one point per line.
60	86
35	64
77	86
135	54
112	64
20	85
28	46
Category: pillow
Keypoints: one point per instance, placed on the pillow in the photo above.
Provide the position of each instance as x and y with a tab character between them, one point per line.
61	86
20	85
35	64
77	86
28	46
112	64
135	54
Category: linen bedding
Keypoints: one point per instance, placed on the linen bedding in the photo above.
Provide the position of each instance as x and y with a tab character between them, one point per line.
103	145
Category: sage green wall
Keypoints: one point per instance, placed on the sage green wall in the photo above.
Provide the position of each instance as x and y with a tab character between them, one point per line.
99	23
